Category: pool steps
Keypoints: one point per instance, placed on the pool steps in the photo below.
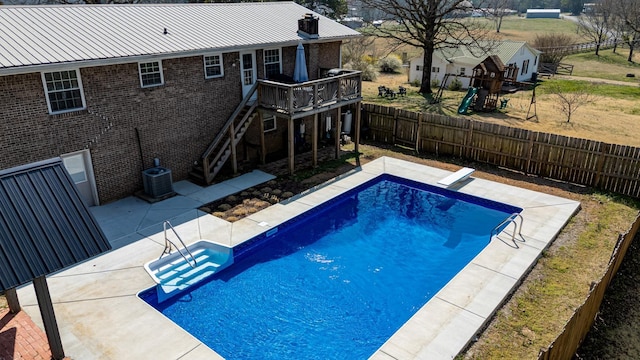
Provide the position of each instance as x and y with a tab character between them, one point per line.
174	273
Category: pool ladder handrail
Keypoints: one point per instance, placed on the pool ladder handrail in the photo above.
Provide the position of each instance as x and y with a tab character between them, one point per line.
511	219
168	244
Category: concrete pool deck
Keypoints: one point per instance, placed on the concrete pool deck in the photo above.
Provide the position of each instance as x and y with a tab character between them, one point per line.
100	316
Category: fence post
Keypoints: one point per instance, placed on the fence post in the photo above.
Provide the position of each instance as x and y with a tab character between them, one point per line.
418	132
600	164
468	140
529	154
395	125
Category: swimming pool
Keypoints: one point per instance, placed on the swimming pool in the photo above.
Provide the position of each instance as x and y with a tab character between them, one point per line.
339	280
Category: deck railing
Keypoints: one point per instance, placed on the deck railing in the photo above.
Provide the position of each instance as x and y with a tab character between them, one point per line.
310	95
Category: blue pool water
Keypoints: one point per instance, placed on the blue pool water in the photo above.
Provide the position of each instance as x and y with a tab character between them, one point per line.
337	282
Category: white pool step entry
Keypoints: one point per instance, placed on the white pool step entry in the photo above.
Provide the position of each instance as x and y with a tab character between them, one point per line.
173	273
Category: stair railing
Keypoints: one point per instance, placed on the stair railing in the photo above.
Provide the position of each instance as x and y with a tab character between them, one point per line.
206	164
168	244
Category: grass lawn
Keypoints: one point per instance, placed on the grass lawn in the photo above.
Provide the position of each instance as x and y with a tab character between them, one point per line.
516	27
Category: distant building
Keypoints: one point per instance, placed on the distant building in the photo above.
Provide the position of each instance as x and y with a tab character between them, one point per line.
543	13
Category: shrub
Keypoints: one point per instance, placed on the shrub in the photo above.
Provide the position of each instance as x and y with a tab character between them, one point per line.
390	64
435	83
455	84
369	72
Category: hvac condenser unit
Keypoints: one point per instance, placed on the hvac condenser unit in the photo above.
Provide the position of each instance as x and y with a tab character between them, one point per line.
157	181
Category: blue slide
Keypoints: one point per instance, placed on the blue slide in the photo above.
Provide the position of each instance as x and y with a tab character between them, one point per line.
462	109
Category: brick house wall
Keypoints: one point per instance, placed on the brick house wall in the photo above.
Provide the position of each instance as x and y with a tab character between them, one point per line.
175	122
125	126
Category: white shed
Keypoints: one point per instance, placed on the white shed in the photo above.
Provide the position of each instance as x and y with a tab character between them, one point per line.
461	60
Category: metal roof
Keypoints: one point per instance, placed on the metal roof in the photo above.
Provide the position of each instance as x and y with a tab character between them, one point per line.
44	224
505	50
55	34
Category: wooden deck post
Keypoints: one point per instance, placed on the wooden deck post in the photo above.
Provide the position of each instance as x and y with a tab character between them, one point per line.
292	150
48	317
263	145
337	132
234	156
12	300
314	140
356	137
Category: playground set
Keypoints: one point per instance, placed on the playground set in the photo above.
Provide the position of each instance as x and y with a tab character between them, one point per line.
486	85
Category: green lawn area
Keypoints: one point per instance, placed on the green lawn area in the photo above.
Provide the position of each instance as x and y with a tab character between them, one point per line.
608	65
520	28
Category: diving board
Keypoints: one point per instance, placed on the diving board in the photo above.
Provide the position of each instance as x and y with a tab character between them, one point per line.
457	176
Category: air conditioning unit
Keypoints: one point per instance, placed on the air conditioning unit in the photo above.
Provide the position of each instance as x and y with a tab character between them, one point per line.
157	181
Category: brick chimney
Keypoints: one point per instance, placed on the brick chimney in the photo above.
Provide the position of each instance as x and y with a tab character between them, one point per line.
308	26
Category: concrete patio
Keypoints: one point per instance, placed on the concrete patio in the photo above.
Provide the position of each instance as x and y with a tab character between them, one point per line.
100	316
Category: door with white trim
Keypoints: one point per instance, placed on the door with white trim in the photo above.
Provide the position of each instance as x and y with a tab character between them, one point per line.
248	72
78	165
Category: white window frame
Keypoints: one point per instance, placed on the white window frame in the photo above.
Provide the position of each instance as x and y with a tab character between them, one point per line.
462	71
264	60
221	65
268	119
435	69
525	67
418	68
159	71
47	91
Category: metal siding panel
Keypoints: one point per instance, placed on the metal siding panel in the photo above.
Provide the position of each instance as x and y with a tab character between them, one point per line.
12	264
66	33
42	38
33	217
21	241
44	224
88	237
48	212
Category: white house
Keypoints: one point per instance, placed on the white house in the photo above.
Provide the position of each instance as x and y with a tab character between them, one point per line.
461	61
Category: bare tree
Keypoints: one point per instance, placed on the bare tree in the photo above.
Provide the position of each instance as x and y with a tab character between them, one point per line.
498	10
554	47
627	13
570	102
596	24
427	25
354	50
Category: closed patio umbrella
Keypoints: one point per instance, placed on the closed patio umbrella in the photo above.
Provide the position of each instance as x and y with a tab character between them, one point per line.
300	70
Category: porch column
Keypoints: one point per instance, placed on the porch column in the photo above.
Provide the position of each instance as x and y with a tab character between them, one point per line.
314	140
12	300
292	149
48	317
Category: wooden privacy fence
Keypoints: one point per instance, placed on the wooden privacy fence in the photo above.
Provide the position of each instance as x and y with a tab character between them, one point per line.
603	166
576	329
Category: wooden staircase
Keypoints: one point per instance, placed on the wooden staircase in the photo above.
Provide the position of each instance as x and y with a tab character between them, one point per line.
223	146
